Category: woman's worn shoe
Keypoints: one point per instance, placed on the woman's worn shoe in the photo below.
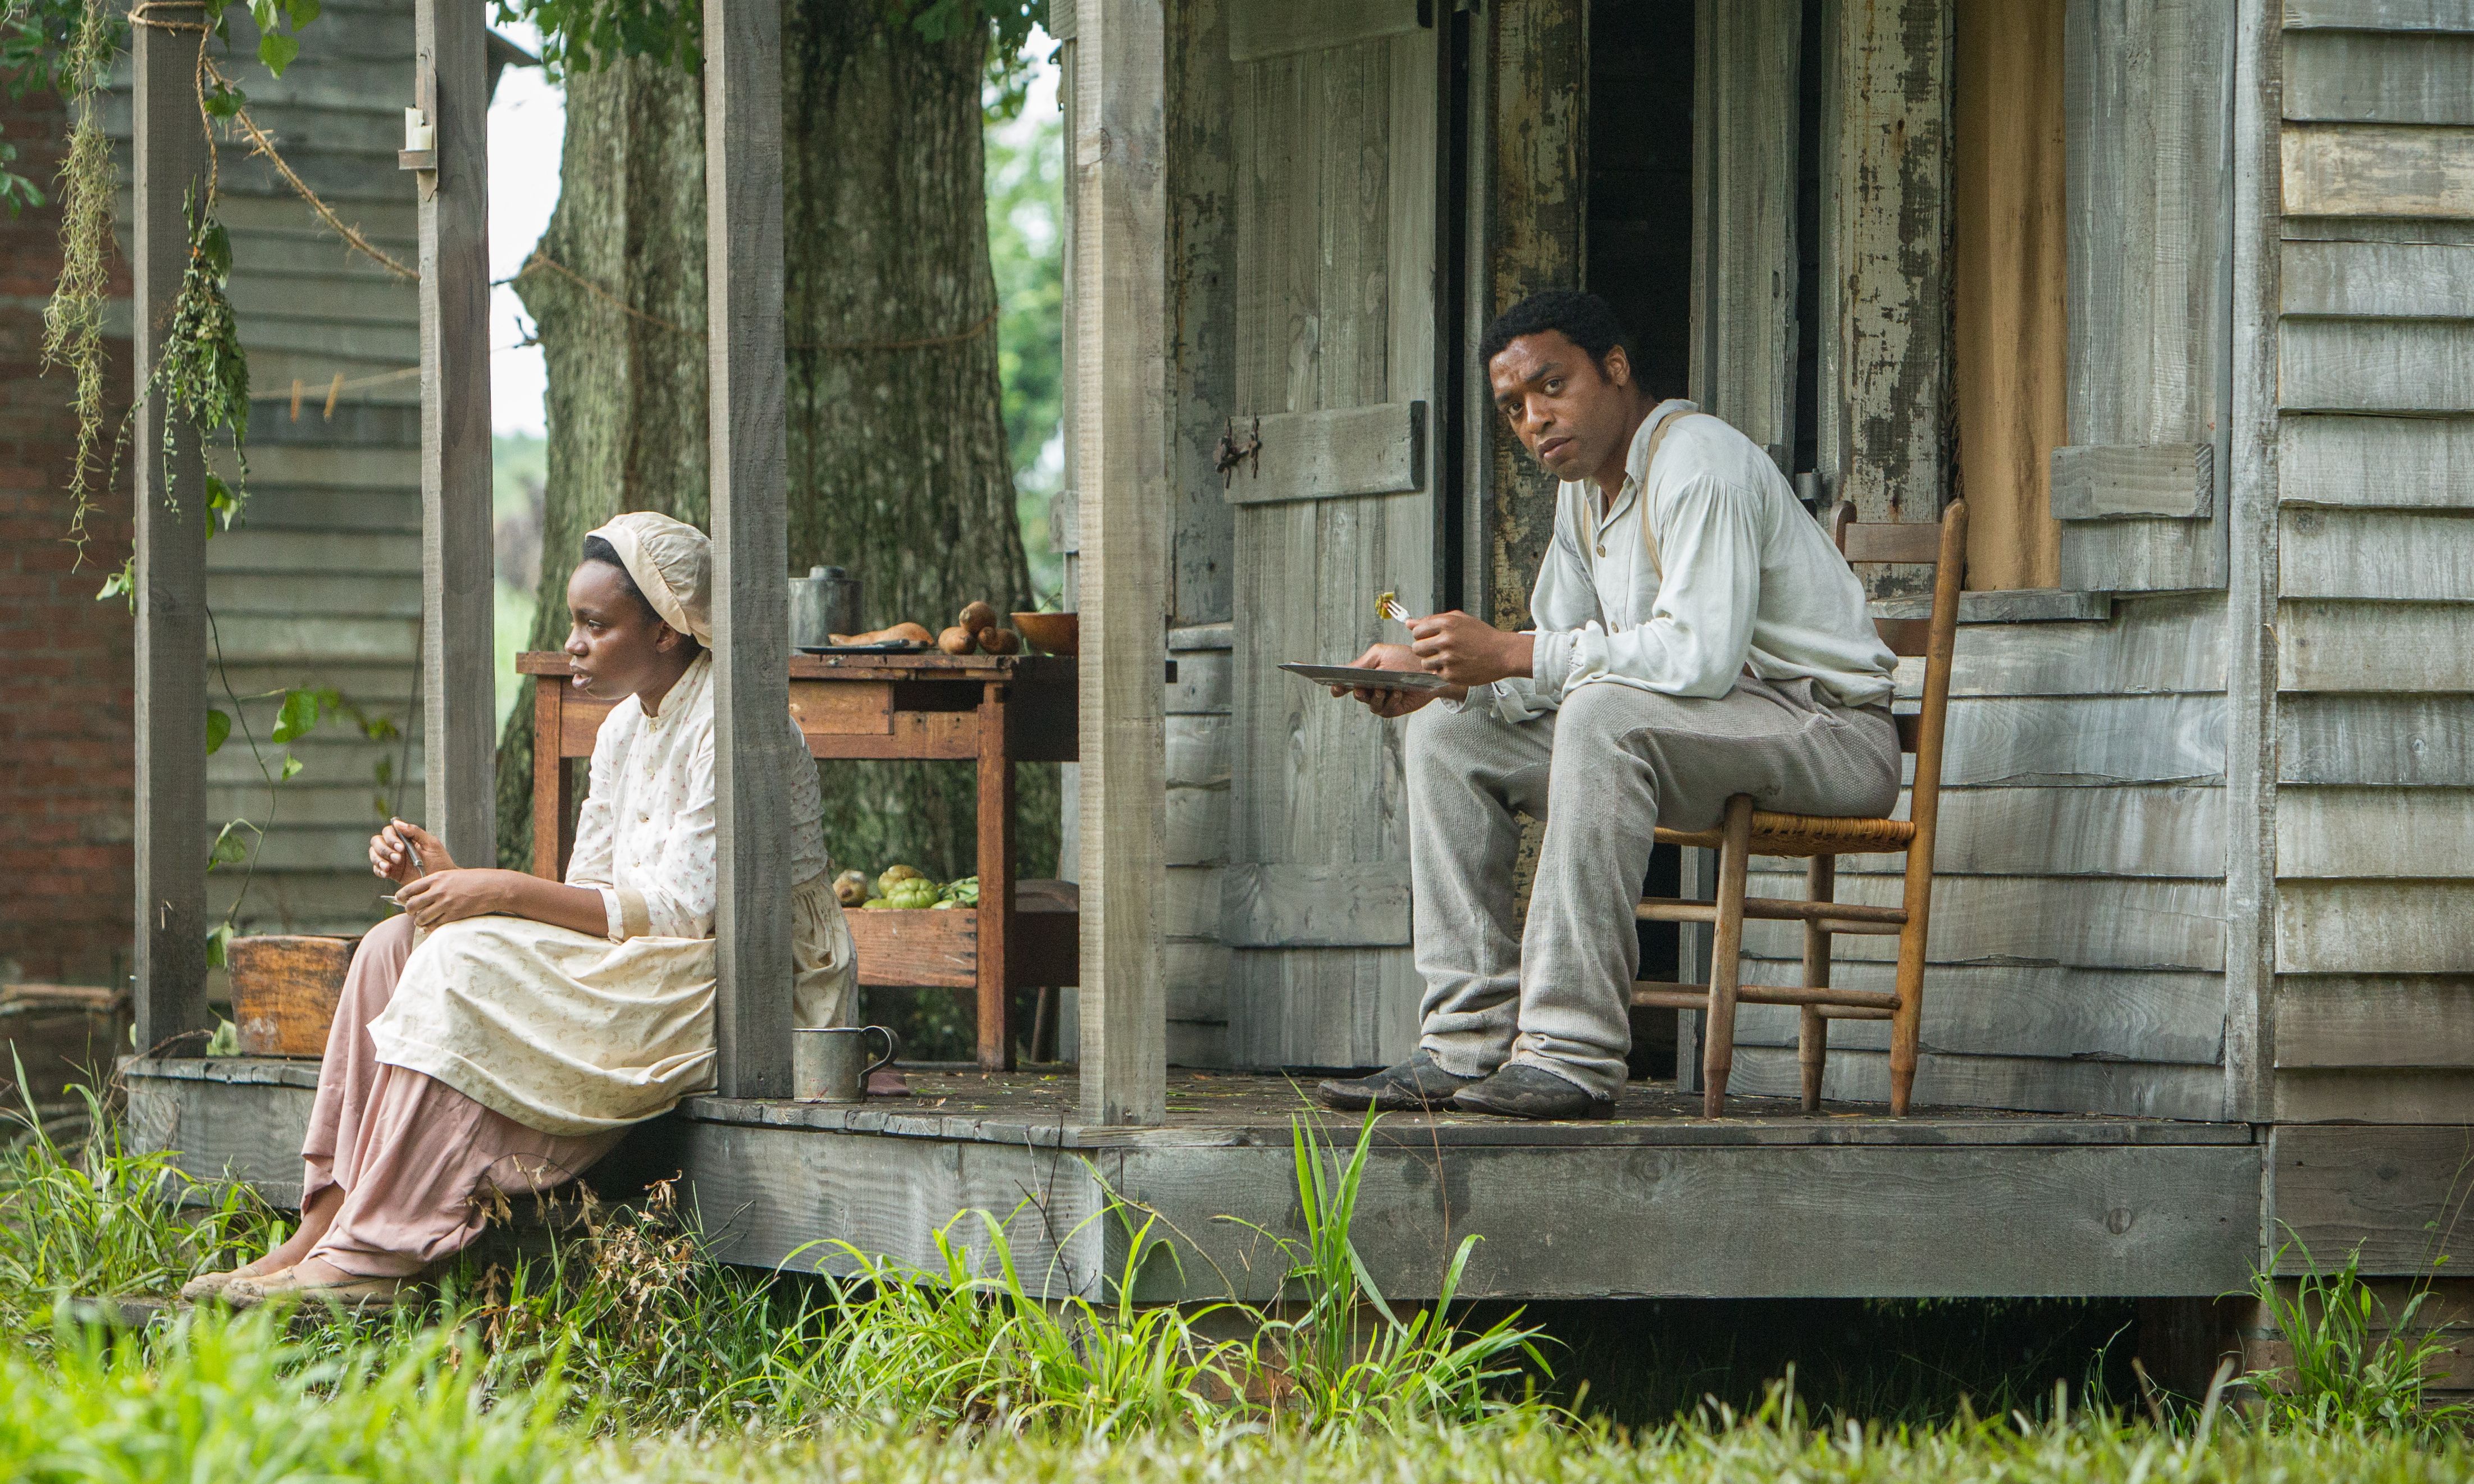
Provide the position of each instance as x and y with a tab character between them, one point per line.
1414	1085
360	1292
1518	1090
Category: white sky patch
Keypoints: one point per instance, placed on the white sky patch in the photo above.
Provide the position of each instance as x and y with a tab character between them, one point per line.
527	128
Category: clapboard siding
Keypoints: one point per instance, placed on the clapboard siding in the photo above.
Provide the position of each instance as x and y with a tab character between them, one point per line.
2374	927
2400	365
2378	170
2379	77
2337	647
2403	741
2376	462
1196	963
2141	1088
2373	832
2441	16
2075	922
2157	830
2378	281
2400	1095
2019	1010
2078	740
2413	555
2375	1021
2150	647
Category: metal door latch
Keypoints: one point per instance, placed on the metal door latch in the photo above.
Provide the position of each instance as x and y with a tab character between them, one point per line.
1230	452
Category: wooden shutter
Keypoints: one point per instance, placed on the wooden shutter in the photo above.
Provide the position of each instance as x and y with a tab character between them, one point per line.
1334	141
2148	113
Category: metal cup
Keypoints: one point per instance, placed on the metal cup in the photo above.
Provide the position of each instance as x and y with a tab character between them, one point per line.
829	1063
823	603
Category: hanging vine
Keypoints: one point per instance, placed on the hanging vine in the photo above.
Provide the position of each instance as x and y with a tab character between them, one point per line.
73	320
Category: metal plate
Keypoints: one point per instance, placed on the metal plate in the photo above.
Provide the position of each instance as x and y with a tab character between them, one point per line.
1367	679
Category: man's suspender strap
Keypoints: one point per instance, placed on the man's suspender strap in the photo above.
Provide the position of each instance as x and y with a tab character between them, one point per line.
1648	535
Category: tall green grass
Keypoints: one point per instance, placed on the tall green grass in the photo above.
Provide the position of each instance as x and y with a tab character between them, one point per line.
2357	1366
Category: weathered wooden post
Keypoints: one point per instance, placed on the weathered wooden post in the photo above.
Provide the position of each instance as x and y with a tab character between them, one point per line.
751	537
459	744
170	145
1118	166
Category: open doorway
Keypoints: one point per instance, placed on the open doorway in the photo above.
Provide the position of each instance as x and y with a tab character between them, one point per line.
1639	259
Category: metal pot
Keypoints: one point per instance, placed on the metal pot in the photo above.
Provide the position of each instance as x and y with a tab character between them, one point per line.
823	603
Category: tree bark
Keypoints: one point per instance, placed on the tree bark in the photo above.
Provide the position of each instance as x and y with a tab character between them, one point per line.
898	462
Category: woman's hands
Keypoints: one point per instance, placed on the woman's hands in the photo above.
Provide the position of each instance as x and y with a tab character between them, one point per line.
453	895
403	852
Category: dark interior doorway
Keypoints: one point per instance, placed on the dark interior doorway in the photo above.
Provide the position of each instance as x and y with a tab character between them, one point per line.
1640	180
1641	261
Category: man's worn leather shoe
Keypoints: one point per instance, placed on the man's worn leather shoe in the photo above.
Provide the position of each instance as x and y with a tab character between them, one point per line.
1414	1085
1520	1091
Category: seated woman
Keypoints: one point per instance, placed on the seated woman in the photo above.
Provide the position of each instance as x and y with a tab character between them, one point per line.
505	1031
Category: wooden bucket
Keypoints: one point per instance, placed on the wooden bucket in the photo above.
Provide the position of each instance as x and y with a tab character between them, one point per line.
284	989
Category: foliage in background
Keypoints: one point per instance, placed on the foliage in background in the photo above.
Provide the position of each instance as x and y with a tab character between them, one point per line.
582	35
1027	248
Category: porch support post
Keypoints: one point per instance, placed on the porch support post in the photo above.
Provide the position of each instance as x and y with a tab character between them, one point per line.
1118	138
459	744
170	145
751	536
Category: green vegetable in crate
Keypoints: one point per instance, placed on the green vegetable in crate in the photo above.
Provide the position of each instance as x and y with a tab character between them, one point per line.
912	893
896	873
964	892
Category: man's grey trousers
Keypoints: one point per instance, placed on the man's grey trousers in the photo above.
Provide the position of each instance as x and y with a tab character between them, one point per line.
1602	772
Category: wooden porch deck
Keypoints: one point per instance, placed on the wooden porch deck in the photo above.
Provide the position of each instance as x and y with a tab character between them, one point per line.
1656	1203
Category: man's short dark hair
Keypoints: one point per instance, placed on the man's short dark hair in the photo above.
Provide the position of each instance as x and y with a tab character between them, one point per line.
598	550
1585	319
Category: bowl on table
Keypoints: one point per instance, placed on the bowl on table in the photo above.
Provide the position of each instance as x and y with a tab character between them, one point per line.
1058	633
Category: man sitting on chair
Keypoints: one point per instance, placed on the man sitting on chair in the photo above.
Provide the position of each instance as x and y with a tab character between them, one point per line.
1697	636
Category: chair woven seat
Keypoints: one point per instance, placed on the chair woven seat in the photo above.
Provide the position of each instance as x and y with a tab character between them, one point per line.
1804	835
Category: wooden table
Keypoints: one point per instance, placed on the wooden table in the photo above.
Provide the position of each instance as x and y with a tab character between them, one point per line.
995	711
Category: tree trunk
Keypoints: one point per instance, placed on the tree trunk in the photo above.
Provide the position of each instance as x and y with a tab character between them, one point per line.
897	461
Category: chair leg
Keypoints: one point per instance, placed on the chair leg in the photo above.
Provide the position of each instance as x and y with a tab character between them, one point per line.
1812	1040
1906	1023
1726	951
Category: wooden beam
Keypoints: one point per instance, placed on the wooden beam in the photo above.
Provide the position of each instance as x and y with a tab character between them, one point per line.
458	548
2171	480
1116	138
1377	449
1892	209
2251	483
171	531
751	539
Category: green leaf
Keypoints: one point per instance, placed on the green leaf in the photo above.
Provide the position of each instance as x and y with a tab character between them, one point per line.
121	584
302	12
229	848
277	50
218	937
297	718
291	765
218	728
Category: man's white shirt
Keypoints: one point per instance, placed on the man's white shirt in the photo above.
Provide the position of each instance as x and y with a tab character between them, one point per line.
1745	578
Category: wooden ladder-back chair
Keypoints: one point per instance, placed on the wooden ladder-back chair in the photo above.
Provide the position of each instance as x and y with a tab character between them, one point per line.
1746	832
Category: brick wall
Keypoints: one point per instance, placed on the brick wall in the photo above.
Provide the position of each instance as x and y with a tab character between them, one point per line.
65	749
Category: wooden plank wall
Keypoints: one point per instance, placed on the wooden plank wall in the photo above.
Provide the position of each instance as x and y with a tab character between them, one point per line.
2078	949
2373	1012
321	585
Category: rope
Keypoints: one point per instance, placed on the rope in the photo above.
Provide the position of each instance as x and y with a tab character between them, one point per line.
142	16
261	145
541	260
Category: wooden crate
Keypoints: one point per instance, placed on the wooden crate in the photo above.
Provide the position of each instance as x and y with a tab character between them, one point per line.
929	949
284	989
64	1034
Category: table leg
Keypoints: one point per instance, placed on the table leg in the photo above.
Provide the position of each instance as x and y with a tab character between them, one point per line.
996	881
